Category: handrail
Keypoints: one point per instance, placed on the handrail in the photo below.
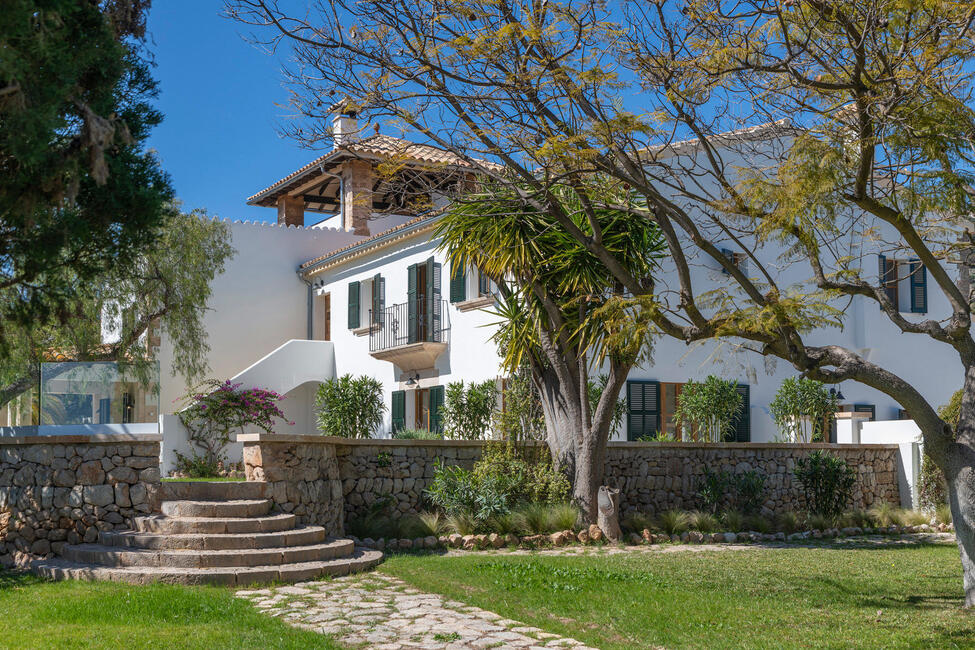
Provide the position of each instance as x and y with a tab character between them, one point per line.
417	321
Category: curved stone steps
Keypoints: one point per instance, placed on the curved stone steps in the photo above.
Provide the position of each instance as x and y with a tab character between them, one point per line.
62	569
300	536
213	525
212	490
112	556
216	509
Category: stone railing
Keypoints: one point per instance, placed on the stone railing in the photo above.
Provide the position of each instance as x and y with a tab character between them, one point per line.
58	489
320	478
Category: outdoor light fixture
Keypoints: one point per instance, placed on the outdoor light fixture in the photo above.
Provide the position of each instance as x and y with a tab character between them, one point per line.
837	393
412	380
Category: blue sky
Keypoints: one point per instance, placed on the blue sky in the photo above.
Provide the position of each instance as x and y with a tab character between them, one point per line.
222	99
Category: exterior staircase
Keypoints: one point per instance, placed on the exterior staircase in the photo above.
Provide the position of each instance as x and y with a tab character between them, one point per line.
219	533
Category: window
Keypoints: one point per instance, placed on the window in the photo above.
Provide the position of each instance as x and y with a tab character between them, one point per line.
906	284
740	260
378	299
398	411
866	408
353	305
643	409
366	298
466	285
424	311
427	403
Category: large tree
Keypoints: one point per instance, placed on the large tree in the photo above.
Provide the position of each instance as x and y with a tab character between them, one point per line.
562	314
79	192
121	314
865	150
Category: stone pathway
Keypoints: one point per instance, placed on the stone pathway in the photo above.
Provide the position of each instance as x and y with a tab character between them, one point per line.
378	611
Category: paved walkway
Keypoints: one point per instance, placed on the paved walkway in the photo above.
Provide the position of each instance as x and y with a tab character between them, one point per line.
378	611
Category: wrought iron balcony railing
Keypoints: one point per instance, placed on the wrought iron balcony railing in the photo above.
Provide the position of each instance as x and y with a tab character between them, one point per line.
417	321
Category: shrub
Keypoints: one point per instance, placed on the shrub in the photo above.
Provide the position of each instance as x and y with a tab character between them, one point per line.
817	521
503	523
914	517
749	491
932	486
197	466
703	521
855	518
827	482
744	491
712	491
350	407
462	523
802	409
733	520
673	522
562	516
522	418
453	489
217	409
758	523
532	519
787	522
708	408
413	526
466	411
528	478
885	515
417	434
637	522
943	514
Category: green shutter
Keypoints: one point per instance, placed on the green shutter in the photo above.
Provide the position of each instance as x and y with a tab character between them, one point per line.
642	408
919	288
458	283
430	300
436	402
353	305
378	298
866	408
398	411
411	306
741	426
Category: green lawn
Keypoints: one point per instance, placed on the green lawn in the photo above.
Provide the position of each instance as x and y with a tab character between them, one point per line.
38	614
869	598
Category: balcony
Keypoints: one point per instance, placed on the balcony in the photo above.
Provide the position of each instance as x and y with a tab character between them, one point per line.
412	334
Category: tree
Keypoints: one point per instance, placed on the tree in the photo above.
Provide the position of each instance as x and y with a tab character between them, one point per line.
708	408
561	312
466	411
350	407
864	150
802	409
79	194
165	289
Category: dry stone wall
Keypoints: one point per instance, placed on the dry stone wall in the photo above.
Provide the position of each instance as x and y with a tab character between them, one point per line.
302	475
65	489
327	480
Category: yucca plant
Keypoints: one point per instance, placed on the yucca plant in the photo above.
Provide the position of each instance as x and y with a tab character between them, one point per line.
532	519
759	524
562	516
787	522
733	520
673	522
637	522
885	515
704	522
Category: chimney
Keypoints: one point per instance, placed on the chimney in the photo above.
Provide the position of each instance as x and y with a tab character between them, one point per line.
357	181
291	210
344	127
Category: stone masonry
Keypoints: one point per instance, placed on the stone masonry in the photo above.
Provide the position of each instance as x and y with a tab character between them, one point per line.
66	489
652	476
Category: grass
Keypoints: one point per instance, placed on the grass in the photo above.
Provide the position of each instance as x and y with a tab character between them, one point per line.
39	614
891	597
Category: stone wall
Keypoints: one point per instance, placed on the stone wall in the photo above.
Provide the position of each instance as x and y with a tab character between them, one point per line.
652	476
58	489
302	475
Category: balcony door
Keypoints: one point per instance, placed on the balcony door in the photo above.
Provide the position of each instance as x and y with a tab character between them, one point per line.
423	301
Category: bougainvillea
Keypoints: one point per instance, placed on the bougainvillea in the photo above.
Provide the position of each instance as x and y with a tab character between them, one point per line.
217	409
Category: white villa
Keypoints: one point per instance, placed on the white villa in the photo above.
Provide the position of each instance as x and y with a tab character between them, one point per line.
301	301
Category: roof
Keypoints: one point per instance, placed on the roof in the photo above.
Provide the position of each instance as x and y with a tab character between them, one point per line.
332	258
766	131
373	147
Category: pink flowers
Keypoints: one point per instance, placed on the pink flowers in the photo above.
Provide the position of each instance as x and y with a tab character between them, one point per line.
228	407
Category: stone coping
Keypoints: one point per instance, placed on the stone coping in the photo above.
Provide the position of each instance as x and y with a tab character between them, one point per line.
93	439
391	442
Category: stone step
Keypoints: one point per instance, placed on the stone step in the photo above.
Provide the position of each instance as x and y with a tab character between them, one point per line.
216	509
212	525
301	536
211	490
113	556
62	569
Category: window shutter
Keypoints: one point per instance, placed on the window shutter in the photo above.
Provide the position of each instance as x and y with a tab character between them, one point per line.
642	408
458	283
378	298
483	284
741	425
866	408
353	305
888	279
436	402
432	308
398	411
919	288
411	306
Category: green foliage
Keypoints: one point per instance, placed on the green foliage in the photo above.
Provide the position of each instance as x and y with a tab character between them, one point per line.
788	522
886	514
532	519
943	514
802	410
704	522
817	521
197	465
350	407
733	520
521	419
417	434
932	485
467	411
827	482
637	522
707	409
673	522
562	516
744	491
80	194
531	477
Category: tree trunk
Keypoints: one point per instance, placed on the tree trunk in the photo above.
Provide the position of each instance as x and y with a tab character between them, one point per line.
961	498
